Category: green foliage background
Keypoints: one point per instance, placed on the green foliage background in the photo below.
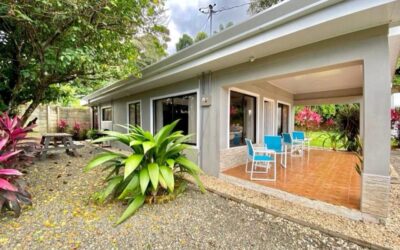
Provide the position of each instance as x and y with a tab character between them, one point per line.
46	45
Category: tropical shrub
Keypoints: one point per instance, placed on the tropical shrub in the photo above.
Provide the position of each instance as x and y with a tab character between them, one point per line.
12	189
308	118
394	115
78	133
92	134
150	171
62	126
333	138
359	164
348	122
16	135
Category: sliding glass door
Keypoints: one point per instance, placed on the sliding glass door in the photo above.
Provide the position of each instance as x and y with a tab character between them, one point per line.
283	118
242	118
183	107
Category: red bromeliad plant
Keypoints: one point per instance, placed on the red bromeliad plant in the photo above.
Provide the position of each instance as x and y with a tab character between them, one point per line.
308	118
12	189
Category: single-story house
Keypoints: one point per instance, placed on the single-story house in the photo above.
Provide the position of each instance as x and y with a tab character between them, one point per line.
244	82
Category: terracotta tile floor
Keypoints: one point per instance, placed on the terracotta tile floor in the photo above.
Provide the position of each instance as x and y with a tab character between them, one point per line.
320	175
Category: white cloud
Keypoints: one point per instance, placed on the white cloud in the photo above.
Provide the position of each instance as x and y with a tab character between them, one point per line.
174	35
184	17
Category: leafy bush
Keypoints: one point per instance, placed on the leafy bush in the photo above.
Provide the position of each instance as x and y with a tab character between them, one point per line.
348	122
78	133
308	118
151	170
62	126
359	164
333	138
16	134
12	189
92	134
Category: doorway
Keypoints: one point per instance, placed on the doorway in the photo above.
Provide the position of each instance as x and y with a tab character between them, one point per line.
283	118
268	117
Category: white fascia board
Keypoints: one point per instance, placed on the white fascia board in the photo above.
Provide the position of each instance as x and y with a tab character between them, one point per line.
285	12
278	28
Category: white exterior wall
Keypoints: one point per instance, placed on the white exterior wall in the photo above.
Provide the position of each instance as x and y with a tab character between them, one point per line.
368	47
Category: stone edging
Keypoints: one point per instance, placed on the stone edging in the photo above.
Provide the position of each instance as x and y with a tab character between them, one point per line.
329	232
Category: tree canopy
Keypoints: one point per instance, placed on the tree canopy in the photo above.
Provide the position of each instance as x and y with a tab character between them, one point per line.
47	44
256	6
184	42
200	36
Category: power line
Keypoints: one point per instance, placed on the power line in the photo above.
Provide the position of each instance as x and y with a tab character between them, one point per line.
209	10
233	7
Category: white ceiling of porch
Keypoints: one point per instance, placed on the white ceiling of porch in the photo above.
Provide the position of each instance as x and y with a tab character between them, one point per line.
341	77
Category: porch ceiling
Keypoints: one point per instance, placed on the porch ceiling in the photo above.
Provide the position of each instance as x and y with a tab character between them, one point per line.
321	80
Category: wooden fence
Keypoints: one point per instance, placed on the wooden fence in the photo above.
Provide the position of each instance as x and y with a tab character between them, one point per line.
49	116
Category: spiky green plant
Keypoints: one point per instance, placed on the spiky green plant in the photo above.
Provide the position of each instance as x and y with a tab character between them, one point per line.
149	171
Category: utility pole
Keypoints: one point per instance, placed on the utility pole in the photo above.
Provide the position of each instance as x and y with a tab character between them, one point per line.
209	11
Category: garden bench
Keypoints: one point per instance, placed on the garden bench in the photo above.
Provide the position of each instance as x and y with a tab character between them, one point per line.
66	140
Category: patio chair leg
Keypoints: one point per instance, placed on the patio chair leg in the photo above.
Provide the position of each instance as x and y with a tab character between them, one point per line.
247	162
285	156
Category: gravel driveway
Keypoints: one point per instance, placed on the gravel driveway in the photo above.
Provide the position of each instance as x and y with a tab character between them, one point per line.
63	218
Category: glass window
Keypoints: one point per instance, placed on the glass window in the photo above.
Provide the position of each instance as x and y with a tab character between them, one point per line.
95	117
106	114
242	120
184	108
283	118
134	114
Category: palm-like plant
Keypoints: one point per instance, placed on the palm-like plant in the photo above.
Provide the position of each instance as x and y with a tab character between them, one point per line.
149	171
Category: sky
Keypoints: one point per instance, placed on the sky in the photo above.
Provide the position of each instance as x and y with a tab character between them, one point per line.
184	17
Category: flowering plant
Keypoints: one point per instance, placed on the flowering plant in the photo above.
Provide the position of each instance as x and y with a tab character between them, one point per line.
395	115
308	118
62	125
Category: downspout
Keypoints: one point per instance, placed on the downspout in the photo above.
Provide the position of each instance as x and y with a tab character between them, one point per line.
201	87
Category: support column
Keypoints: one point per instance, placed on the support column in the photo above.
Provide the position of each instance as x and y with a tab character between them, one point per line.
209	129
376	142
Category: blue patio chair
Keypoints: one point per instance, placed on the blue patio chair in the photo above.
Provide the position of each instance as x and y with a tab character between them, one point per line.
300	136
260	157
274	142
294	145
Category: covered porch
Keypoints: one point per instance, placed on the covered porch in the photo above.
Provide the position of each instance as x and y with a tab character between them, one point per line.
335	71
266	107
322	175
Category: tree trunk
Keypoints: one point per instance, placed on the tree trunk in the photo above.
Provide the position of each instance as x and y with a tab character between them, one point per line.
28	112
34	104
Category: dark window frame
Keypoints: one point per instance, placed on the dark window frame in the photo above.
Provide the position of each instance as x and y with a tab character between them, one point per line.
95	117
279	130
255	98
154	103
138	121
103	114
